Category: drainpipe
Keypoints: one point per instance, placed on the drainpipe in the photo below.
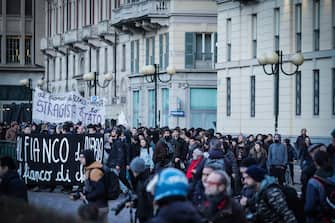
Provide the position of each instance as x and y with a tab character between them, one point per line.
115	63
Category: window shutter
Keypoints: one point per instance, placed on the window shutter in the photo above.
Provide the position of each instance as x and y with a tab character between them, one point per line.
153	51
147	51
132	57
160	51
215	47
166	50
189	50
137	68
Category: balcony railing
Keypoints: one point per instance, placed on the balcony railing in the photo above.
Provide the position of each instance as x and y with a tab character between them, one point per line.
140	9
70	36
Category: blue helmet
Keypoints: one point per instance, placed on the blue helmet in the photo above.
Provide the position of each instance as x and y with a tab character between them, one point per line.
170	182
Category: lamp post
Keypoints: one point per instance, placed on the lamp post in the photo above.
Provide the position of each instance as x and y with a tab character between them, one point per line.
93	81
152	75
28	84
275	60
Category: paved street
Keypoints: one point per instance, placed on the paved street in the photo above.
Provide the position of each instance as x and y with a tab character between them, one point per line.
62	204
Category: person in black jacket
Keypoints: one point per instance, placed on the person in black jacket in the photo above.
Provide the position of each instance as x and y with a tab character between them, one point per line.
117	155
10	183
143	203
94	188
180	150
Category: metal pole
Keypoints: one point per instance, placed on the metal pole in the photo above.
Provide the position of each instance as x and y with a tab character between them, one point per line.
30	98
95	84
155	79
276	75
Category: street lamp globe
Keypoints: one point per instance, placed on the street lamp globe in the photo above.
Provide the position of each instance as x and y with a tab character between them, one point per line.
89	76
151	69
40	82
171	70
24	82
297	59
262	59
272	58
108	76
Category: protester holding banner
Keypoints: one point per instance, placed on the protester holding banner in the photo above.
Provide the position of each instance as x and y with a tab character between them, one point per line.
94	189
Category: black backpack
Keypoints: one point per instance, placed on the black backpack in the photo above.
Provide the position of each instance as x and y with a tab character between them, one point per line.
328	206
111	182
294	203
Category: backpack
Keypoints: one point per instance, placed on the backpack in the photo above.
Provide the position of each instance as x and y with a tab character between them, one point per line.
111	182
328	206
294	203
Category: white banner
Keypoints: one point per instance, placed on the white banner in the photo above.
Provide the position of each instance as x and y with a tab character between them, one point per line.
58	108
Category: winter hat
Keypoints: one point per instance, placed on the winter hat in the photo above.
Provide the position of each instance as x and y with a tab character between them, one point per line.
89	156
137	165
256	173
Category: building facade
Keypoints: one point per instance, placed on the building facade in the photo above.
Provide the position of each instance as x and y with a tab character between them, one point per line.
21	29
119	38
248	29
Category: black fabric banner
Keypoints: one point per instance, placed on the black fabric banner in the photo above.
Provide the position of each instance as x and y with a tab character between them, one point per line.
54	159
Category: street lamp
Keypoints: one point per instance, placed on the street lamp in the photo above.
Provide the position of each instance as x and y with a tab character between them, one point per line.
275	60
152	75
93	81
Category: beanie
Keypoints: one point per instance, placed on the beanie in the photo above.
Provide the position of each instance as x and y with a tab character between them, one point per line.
137	165
256	173
89	156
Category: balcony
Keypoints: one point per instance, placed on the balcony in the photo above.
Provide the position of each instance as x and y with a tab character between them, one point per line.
57	40
104	28
144	15
46	43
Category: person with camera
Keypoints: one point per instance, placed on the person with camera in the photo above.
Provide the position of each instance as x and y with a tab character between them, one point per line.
169	188
142	201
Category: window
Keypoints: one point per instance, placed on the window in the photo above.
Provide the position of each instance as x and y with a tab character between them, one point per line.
166	55
316	24
13	7
150	51
123	68
198	46
49	19
165	107
316	92
298	28
13	49
74	65
215	47
60	68
136	108
134	56
28	7
298	93
69	15
189	50
92	19
276	28
151	109
252	95
106	60
27	50
53	69
254	36
333	93
228	96
229	29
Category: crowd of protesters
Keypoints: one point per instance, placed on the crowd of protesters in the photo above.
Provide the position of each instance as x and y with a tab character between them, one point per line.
197	175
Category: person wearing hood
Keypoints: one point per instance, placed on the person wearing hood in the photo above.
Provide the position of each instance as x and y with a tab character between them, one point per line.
10	183
270	201
94	187
316	193
277	159
169	188
219	206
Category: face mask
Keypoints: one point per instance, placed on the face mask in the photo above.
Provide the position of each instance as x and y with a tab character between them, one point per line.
167	137
276	140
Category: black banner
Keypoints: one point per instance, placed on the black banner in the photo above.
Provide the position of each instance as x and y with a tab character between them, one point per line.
54	159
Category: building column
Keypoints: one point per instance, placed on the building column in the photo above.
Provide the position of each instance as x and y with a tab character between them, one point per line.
22	33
